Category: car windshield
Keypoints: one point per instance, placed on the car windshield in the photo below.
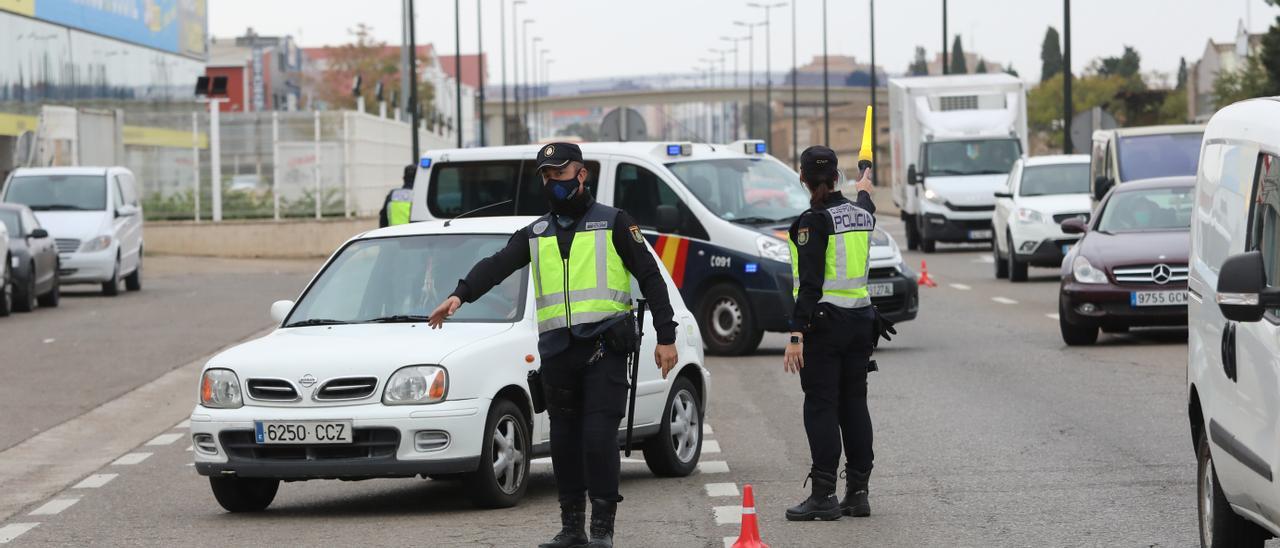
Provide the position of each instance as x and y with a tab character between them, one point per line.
976	157
1147	210
1055	179
1151	156
9	218
59	192
744	190
404	279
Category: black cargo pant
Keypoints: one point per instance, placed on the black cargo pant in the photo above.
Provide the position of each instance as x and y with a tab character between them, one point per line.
834	378
586	404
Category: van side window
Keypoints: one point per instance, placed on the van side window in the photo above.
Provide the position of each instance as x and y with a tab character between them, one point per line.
1265	224
639	192
458	187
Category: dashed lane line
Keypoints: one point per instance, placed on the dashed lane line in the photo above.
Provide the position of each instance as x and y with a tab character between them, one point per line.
710	447
1004	300
985	259
706	430
184	424
961	287
14	530
730	541
1051	316
721	489
95	481
726	515
54	507
165	439
713	467
131	458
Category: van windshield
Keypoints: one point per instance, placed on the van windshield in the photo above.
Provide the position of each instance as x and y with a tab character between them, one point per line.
973	157
1055	179
59	192
1150	156
744	190
1147	210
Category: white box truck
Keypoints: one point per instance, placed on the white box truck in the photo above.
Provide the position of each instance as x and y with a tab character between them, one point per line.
954	140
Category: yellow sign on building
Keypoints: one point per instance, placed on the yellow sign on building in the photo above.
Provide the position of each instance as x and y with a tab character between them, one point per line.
24	7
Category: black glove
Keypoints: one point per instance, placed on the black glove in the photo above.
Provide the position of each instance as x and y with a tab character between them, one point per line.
881	327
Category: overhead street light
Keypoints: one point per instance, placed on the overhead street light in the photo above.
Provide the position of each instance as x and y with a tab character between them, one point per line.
768	71
524	78
515	71
751	72
736	77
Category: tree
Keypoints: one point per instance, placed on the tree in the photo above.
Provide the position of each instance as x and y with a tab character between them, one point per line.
982	67
1050	55
374	62
919	66
1044	102
1182	73
1246	82
1271	57
958	65
1009	70
1127	65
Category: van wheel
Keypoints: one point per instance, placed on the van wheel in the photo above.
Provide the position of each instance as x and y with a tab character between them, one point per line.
24	300
674	451
1002	267
503	476
244	494
913	235
727	321
133	282
1220	526
50	299
1072	334
927	245
111	287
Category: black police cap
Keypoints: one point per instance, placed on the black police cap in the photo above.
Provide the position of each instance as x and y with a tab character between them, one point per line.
818	160
558	155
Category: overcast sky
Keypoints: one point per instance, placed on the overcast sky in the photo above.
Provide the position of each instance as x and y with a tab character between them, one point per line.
594	38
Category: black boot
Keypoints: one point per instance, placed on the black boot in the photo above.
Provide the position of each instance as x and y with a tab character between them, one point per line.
855	501
602	514
821	504
573	522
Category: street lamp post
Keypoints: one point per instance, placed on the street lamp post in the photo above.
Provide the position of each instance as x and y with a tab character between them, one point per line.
1067	115
795	111
457	67
768	73
736	80
480	68
875	129
531	85
721	120
515	63
523	113
539	81
826	82
751	73
546	82
945	68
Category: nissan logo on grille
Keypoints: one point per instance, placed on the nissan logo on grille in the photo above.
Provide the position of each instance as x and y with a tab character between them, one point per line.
1161	274
307	380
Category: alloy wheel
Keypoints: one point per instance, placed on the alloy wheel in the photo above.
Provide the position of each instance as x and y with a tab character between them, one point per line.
509	464
1207	488
685	428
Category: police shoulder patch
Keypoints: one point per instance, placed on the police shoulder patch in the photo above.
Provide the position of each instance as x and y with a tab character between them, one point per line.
636	235
539	226
802	235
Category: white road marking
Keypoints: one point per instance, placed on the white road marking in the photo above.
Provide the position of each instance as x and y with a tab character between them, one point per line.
131	458
184	424
1051	316
985	259
721	489
54	507
541	460
726	515
95	481
165	439
190	447
14	530
626	460
1004	300
48	341
961	287
713	467
710	446
730	541
706	429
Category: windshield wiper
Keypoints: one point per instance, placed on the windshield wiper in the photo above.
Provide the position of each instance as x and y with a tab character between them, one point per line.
317	321
753	220
400	318
61	207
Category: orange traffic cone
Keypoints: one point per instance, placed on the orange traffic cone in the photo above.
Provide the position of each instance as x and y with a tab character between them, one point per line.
925	280
750	536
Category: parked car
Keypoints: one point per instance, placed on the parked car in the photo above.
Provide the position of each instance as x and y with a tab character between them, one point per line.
1130	268
1137	153
1041	193
1234	333
33	259
6	285
95	216
354	385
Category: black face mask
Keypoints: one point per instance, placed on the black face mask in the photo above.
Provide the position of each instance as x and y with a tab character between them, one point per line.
563	196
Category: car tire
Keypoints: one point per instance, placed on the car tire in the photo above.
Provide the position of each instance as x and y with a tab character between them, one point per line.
1017	269
1220	526
674	451
913	235
6	291
927	244
50	299
25	299
488	487
111	287
1002	267
133	282
1075	334
728	322
244	494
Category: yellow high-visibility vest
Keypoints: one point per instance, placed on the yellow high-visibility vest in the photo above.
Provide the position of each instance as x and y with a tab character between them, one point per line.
844	281
399	207
592	285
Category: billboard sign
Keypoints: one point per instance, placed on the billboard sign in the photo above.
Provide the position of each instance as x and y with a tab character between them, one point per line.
176	26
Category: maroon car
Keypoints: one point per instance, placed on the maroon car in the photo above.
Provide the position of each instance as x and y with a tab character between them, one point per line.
1130	268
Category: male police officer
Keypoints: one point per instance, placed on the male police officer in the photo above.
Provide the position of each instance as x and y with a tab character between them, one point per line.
395	209
583	255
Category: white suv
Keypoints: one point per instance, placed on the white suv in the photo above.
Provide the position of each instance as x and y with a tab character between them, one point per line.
1233	399
1041	193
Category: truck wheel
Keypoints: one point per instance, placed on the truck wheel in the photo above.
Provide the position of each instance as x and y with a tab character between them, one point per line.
913	235
727	321
927	245
244	494
1072	334
503	476
1220	526
674	451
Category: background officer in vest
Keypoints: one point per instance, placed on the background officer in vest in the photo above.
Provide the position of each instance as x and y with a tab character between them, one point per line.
395	209
832	335
582	334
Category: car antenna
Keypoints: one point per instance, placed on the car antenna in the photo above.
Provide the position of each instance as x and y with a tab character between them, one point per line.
481	208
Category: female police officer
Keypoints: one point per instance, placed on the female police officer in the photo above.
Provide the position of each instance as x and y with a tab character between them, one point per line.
832	335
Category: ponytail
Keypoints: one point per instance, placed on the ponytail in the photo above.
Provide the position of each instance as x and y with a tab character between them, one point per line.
818	191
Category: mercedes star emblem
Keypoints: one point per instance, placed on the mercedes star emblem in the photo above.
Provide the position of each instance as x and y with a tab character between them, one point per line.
1161	274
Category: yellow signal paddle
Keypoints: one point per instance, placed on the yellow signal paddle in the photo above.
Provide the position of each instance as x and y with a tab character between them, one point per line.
866	155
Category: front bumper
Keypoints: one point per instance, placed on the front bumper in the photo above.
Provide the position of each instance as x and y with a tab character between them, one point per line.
945	228
80	267
1048	252
383	444
904	302
1113	308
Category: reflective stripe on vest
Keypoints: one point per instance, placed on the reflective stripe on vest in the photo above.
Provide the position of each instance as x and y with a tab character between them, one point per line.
844	280
591	286
399	208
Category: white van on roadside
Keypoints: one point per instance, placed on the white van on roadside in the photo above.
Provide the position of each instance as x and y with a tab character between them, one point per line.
1233	365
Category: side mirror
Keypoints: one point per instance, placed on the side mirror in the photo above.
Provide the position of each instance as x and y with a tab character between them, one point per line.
39	234
913	176
668	219
1101	184
1074	225
280	310
1004	195
126	211
1243	295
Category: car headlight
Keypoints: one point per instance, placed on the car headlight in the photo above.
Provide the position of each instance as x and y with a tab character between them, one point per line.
934	197
1085	273
1029	216
220	389
96	244
773	248
416	384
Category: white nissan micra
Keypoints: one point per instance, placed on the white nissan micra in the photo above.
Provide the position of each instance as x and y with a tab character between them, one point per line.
353	384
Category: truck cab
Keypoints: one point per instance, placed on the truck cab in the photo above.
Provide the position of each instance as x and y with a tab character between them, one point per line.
1135	153
717	216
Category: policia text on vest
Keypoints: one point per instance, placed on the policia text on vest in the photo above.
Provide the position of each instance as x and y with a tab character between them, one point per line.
582	257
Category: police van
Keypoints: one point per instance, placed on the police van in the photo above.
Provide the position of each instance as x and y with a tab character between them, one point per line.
717	216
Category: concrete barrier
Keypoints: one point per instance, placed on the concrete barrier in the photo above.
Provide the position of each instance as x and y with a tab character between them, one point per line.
289	239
